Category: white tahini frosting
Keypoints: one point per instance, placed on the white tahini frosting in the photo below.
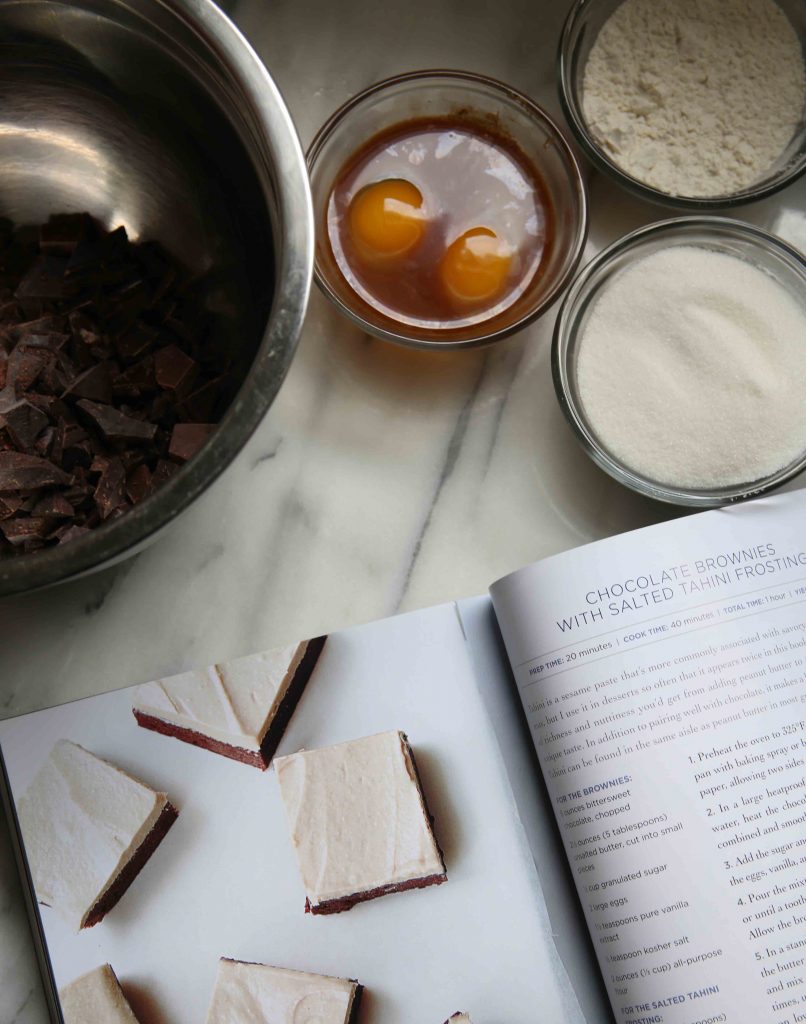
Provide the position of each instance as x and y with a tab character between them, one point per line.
459	1018
357	817
82	819
95	997
256	994
233	702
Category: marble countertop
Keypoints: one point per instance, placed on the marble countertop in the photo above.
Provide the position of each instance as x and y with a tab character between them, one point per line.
383	479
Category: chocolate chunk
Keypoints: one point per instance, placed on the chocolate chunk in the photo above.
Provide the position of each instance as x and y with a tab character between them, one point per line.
175	371
138	484
25	529
116	425
200	404
44	443
25	473
78	495
42	326
9	505
94	383
162	474
44	280
24	422
72	533
53	504
77	455
126	304
109	494
135	342
93	256
24	366
188	438
139	379
63	232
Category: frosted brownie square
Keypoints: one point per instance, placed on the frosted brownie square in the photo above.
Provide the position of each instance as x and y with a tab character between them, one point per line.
237	708
89	829
459	1018
258	994
95	997
359	822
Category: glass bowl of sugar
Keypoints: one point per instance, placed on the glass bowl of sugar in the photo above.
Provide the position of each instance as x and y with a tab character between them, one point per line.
679	359
696	104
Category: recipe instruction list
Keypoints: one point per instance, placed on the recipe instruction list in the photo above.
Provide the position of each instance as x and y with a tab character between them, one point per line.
674	750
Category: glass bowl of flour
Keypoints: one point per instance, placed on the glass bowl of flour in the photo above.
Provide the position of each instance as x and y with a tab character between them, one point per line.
679	359
693	103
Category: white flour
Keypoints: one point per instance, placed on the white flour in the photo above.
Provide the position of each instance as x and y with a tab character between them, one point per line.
695	97
692	369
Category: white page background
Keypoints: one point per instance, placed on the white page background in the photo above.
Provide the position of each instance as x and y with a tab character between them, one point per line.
224	881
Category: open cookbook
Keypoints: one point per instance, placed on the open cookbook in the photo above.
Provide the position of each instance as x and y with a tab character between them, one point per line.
578	799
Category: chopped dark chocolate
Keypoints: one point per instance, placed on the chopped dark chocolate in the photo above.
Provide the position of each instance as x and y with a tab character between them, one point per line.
162	474
53	504
200	405
24	366
109	494
187	439
94	383
116	425
71	533
63	232
24	423
44	280
135	342
25	473
21	531
9	504
175	371
109	377
138	484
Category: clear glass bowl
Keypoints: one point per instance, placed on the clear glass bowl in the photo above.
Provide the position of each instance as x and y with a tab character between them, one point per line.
720	234
435	94
582	26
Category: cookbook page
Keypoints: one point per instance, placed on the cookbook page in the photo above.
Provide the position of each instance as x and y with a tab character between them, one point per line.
225	880
663	675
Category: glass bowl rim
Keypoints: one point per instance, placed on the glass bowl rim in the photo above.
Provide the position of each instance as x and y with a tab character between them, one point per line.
566	323
594	152
575	180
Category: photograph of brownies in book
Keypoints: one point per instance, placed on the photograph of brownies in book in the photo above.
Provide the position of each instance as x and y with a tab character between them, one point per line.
359	823
253	993
388	777
238	708
89	830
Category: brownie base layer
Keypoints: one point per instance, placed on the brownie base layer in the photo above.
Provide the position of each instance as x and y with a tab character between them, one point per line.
346	902
132	868
336	906
256	758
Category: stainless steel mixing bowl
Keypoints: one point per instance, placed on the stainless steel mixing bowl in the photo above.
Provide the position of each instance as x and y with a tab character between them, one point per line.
158	115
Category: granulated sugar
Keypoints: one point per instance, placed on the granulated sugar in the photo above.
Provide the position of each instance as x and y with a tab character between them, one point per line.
692	369
695	97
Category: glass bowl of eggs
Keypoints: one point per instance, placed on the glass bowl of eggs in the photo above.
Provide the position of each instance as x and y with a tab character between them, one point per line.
449	209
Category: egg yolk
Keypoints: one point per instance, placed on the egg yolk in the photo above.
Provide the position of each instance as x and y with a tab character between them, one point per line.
476	266
387	218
